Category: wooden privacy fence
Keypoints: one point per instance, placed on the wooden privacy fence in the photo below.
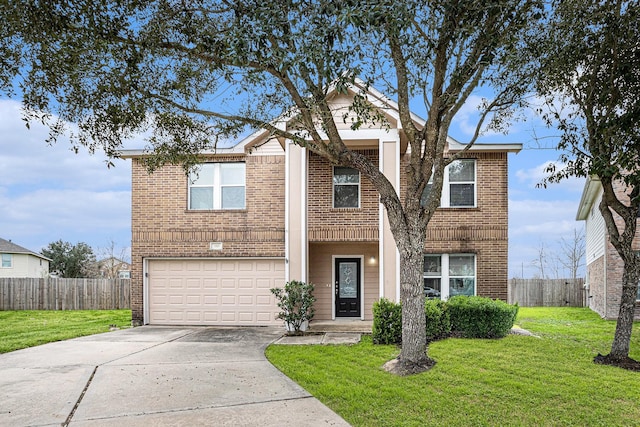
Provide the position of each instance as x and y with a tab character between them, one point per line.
64	294
547	292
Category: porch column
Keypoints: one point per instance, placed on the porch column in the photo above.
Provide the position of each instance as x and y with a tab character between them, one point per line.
296	245
389	255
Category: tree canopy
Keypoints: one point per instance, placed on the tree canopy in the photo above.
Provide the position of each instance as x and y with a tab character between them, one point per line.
191	74
69	260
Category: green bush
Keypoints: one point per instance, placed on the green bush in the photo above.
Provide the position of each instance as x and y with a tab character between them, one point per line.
438	319
478	317
387	322
296	302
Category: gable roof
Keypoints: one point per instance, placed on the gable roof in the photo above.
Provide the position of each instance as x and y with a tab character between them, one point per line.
379	100
8	247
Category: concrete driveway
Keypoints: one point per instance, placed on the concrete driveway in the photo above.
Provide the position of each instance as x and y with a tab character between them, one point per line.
160	376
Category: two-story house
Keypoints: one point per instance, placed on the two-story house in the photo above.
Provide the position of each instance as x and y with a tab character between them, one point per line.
604	265
206	248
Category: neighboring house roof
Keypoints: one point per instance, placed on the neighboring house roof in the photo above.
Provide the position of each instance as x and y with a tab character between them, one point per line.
8	247
589	193
375	97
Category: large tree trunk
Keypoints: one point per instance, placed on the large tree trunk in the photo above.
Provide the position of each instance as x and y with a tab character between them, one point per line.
624	325
414	344
413	355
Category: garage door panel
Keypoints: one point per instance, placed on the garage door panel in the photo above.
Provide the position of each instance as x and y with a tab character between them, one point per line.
214	292
228	283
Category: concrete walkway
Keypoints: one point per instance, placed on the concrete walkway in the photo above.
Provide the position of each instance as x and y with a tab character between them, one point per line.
160	376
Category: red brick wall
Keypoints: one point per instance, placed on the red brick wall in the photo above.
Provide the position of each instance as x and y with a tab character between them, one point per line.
162	226
482	230
326	223
614	267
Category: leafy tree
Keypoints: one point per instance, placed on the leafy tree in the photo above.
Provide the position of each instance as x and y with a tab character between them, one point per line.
71	261
590	62
195	72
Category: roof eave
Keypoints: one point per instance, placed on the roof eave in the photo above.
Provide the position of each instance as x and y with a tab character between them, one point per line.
589	193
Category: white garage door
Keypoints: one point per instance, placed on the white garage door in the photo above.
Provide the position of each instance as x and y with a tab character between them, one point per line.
213	292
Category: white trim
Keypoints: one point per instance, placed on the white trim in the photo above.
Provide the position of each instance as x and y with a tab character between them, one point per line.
333	284
304	244
287	201
381	210
398	266
145	291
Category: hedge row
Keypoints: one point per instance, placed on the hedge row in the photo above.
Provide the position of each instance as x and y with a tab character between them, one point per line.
461	316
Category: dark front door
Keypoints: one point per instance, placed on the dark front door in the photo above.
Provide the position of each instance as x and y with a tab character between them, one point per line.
347	287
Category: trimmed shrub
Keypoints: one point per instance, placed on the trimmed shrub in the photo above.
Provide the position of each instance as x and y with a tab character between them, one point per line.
387	322
438	319
478	317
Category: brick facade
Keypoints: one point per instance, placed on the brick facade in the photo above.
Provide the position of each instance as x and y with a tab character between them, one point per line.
605	273
162	226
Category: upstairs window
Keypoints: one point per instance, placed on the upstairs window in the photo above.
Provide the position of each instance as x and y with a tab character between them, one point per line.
346	187
214	186
459	185
7	261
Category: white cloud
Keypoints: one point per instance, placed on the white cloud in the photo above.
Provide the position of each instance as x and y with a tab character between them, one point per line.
534	223
533	176
49	192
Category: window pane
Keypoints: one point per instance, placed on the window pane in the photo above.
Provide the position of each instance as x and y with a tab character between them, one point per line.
348	277
202	175
201	198
461	286
343	175
345	196
232	197
232	173
432	265
432	287
6	260
461	195
462	171
461	265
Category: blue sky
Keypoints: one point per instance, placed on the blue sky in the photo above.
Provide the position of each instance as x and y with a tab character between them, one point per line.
49	193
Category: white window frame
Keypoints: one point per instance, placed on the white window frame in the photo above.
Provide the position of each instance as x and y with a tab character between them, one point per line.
333	188
445	276
445	198
216	186
5	256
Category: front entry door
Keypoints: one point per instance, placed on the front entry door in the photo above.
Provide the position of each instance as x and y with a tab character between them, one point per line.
347	287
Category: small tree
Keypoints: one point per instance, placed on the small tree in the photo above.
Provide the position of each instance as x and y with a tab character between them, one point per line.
572	251
590	60
71	261
296	302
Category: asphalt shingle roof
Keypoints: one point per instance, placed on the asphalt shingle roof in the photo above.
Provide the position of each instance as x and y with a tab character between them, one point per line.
9	247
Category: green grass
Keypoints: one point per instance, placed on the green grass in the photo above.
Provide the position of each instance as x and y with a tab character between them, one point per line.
22	329
514	381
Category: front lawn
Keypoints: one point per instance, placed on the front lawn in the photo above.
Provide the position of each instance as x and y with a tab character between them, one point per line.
22	329
515	381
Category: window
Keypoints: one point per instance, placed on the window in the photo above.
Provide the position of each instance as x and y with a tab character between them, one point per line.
346	187
459	185
7	261
448	275
217	186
